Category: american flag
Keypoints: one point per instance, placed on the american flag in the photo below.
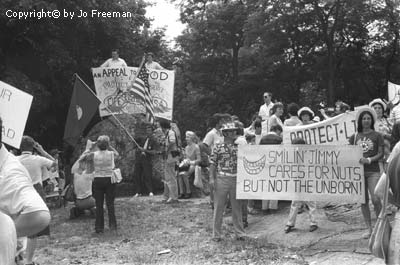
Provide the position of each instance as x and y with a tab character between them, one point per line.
141	88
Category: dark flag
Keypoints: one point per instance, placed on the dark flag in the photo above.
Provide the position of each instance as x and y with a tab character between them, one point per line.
84	105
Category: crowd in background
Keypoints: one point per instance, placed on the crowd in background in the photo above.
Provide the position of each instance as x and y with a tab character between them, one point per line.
193	165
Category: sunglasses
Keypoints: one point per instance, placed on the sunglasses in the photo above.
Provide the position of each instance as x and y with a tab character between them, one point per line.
266	96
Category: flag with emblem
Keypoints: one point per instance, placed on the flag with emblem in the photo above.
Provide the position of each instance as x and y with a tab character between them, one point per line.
141	89
84	104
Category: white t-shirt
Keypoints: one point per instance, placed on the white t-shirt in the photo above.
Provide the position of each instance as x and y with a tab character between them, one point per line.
17	195
8	240
154	65
213	137
264	111
114	63
34	164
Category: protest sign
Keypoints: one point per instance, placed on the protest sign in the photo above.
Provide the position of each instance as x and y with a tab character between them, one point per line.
393	92
300	172
336	130
113	89
14	110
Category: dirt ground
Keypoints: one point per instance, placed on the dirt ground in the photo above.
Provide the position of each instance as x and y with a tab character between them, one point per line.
146	227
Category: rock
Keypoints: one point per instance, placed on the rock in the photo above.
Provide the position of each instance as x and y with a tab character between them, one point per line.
136	126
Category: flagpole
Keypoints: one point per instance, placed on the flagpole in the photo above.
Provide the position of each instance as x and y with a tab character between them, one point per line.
112	114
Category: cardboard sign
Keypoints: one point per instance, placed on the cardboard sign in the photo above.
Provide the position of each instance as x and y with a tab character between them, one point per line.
393	92
300	172
14	110
333	131
112	87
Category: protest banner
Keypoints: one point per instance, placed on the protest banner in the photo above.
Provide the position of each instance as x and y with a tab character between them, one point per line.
300	172
333	131
113	84
14	110
393	92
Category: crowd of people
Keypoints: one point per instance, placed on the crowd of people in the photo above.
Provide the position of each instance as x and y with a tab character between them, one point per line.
208	164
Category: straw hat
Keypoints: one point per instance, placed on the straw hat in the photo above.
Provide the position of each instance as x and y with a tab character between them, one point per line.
378	101
366	109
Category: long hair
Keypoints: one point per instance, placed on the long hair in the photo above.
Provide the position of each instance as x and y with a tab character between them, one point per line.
359	121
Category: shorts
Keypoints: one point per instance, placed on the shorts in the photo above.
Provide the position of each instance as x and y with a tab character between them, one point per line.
45	232
85	204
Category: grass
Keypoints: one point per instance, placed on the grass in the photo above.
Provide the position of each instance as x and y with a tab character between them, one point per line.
146	227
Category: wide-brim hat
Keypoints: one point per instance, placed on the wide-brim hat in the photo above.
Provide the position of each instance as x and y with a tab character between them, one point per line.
305	109
378	101
366	109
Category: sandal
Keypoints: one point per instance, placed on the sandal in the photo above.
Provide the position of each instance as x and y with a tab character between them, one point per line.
288	228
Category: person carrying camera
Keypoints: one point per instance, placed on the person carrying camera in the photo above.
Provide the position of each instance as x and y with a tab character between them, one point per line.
170	158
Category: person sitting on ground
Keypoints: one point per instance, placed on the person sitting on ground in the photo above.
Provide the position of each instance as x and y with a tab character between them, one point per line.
114	61
191	159
293	119
372	144
294	207
33	164
223	173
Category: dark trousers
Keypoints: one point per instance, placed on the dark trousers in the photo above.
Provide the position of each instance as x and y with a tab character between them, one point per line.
142	176
101	187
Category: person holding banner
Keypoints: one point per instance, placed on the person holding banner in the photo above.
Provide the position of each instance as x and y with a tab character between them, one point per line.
150	64
306	115
114	61
382	124
223	174
296	205
372	144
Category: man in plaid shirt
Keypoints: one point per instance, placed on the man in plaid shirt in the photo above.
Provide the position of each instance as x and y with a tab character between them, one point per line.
223	172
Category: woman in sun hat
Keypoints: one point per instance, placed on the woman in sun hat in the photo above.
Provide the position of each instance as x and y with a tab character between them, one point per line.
306	115
371	143
382	124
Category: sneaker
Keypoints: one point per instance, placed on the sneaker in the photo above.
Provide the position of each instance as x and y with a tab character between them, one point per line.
171	201
136	195
151	194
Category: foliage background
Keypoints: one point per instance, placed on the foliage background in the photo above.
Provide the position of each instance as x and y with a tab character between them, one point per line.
231	52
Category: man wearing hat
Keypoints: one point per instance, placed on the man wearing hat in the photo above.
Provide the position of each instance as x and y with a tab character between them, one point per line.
150	64
223	173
